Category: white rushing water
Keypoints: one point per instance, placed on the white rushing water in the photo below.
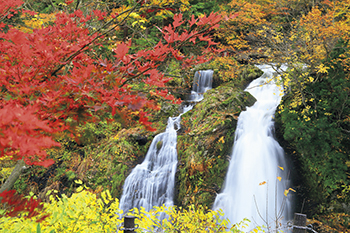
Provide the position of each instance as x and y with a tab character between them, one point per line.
151	183
255	159
202	82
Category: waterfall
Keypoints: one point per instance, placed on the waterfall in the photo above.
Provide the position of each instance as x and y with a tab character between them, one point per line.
151	183
252	188
202	82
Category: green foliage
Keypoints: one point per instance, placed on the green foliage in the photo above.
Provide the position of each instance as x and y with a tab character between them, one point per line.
93	132
316	124
101	156
46	6
205	7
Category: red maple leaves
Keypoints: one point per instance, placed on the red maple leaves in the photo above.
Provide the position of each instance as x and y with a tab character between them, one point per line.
23	135
16	204
48	76
51	74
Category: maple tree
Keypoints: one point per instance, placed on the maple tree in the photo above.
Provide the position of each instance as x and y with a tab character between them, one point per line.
53	79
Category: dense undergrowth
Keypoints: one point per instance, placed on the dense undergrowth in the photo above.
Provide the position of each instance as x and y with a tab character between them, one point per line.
86	211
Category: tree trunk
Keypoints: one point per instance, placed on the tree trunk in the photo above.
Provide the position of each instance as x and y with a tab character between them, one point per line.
17	171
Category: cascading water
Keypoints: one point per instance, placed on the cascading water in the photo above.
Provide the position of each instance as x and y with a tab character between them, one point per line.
151	183
256	159
202	82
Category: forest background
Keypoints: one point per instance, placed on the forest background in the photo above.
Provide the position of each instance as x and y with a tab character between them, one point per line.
86	85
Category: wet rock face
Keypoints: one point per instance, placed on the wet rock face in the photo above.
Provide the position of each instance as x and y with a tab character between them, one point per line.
141	140
205	142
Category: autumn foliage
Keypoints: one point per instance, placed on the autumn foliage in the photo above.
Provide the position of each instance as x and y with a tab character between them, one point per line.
18	204
53	76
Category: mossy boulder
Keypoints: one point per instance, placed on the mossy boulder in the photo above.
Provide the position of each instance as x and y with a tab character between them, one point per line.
205	142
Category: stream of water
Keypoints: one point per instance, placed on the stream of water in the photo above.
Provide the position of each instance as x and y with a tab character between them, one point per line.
252	187
151	183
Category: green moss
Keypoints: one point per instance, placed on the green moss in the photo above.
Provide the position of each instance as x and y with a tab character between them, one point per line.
159	145
205	143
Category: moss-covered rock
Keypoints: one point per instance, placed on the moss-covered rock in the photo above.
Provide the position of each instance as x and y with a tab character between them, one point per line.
205	142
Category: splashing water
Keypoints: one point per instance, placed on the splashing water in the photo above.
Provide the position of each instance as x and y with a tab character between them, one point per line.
151	183
252	188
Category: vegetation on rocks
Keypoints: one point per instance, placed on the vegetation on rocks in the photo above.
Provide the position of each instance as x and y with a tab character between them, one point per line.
205	142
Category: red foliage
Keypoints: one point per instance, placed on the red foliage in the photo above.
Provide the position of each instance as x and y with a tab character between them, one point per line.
22	134
68	2
47	76
17	204
8	7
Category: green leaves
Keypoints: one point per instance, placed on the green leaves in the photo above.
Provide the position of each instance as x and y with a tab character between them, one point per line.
318	128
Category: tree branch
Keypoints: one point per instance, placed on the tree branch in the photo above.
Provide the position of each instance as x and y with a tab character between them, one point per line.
17	171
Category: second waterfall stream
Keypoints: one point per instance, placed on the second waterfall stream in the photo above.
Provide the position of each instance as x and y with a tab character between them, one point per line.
152	182
255	183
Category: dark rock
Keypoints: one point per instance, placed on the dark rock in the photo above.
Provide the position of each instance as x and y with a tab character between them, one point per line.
141	140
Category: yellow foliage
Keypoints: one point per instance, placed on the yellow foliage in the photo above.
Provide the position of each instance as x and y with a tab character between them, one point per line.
35	22
287	191
322	69
84	212
184	4
6	167
249	15
226	68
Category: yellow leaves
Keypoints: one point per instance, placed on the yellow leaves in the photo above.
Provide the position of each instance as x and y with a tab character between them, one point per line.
279	178
195	190
287	191
322	69
5	172
79	189
306	118
165	14
36	21
258	229
347	163
297	101
227	68
281	168
106	197
82	212
222	140
78	181
191	220
135	15
262	183
140	22
311	79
